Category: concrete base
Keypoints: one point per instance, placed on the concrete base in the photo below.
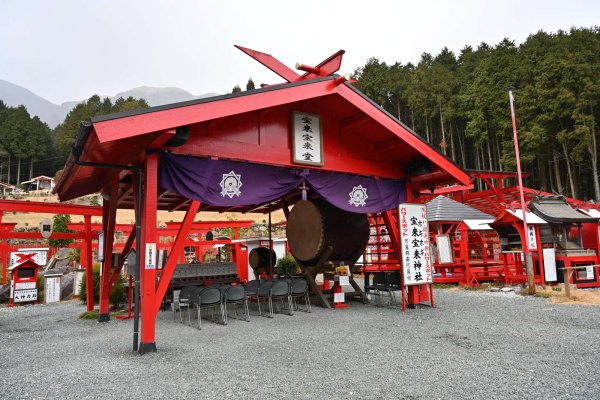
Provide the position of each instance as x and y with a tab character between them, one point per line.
148	348
104	318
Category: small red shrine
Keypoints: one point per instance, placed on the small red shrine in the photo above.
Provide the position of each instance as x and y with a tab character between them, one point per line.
23	285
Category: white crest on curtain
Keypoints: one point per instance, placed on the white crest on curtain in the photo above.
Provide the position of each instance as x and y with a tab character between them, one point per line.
231	184
358	196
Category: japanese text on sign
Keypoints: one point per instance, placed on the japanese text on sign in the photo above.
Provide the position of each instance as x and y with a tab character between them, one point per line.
307	139
414	242
150	255
20	296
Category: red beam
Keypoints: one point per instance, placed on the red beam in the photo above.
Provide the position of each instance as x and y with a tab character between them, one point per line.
38	235
122	128
175	253
49	208
272	63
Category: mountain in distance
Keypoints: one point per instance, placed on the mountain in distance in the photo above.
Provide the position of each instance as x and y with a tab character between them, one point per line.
53	114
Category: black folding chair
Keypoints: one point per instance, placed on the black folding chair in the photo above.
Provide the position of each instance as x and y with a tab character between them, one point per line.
210	299
235	295
299	290
252	292
276	290
183	302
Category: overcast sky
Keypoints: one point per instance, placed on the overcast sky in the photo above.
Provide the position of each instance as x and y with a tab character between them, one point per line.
70	49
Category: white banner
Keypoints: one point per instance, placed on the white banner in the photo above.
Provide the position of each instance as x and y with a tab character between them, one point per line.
414	242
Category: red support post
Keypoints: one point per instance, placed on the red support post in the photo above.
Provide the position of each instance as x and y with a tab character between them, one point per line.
176	253
109	216
147	256
4	258
89	273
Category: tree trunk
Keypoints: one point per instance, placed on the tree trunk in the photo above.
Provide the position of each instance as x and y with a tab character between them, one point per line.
461	146
569	173
499	154
559	185
443	132
489	150
18	171
427	130
452	151
594	161
8	173
412	117
31	169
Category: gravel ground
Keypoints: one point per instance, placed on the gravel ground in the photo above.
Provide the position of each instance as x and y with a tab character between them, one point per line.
473	345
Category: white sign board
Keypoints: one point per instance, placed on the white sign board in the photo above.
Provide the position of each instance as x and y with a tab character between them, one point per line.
40	255
339	297
78	278
150	256
344	280
46	228
531	237
444	247
24	285
590	272
52	288
549	265
307	139
414	242
101	246
20	296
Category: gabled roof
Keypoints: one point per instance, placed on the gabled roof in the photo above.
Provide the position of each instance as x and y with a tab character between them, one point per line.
556	210
444	209
27	261
124	138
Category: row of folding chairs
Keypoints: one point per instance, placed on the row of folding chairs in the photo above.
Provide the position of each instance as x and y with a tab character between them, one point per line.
215	299
384	284
286	292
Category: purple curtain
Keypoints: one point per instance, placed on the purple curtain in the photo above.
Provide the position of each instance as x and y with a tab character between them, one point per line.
225	183
356	193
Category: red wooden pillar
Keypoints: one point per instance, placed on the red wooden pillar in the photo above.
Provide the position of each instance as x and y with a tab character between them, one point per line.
2	255
109	215
148	248
89	273
5	259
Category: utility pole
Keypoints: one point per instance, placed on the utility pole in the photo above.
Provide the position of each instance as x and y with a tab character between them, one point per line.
526	251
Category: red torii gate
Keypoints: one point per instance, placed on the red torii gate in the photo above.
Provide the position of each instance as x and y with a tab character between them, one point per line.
53	208
359	138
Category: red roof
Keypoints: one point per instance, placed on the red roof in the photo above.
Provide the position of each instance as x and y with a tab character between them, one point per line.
359	137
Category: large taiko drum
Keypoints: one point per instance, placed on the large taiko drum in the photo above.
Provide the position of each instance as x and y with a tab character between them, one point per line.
313	226
261	258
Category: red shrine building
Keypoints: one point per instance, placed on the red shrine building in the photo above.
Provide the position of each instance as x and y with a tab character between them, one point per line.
253	151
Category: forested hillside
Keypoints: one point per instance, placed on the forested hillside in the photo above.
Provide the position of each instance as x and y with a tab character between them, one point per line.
28	147
459	103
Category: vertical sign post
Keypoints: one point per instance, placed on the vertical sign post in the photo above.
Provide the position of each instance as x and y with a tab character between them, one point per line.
414	243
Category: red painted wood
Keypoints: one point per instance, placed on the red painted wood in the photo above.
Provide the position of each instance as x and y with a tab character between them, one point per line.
109	221
148	276
419	145
89	275
122	128
175	253
272	63
50	208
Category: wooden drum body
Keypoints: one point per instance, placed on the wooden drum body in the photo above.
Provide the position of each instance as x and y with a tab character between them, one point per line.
315	226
